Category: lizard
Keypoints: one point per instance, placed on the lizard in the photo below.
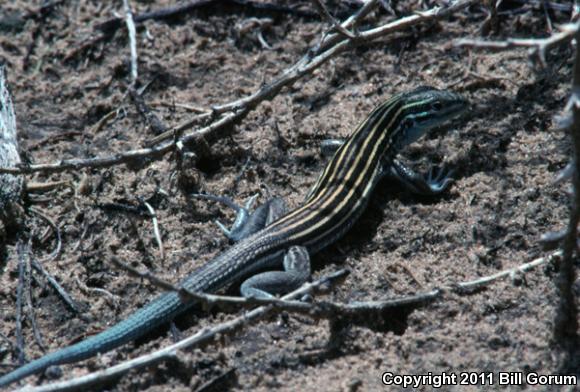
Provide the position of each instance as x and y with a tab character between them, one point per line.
281	242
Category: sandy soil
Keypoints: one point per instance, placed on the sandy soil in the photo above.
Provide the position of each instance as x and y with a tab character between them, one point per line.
506	154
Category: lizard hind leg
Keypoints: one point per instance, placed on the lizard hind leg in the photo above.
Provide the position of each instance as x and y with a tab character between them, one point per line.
247	222
267	284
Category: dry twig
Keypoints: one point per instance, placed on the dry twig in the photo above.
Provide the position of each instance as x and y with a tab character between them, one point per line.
113	24
62	293
285	303
323	11
332	309
132	41
19	297
537	46
28	299
156	230
46	186
54	254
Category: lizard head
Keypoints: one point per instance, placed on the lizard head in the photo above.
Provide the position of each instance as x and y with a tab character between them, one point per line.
425	108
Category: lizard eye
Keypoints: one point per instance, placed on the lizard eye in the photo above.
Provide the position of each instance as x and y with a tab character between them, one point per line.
436	106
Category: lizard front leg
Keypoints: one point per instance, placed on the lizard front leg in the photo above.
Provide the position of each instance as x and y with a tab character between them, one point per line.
433	183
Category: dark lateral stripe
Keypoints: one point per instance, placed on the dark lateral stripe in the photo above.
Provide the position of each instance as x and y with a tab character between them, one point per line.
344	159
340	225
343	186
342	197
340	157
371	135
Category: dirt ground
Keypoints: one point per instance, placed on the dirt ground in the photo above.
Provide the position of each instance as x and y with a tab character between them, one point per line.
73	103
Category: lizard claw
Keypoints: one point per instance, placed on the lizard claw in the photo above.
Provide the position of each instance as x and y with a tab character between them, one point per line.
438	179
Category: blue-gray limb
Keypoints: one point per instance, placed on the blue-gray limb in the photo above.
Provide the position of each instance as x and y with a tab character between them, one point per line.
247	222
267	284
436	181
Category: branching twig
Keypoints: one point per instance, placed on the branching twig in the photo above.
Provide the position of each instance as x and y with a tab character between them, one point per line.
210	300
132	157
323	11
538	46
249	317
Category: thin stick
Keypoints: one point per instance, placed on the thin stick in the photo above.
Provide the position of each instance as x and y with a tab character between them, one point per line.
7	341
103	121
54	254
249	317
28	299
285	303
547	16
131	157
537	46
62	293
113	24
132	40
329	309
327	41
323	11
46	186
188	107
329	38
156	230
112	299
487	280
19	305
308	64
